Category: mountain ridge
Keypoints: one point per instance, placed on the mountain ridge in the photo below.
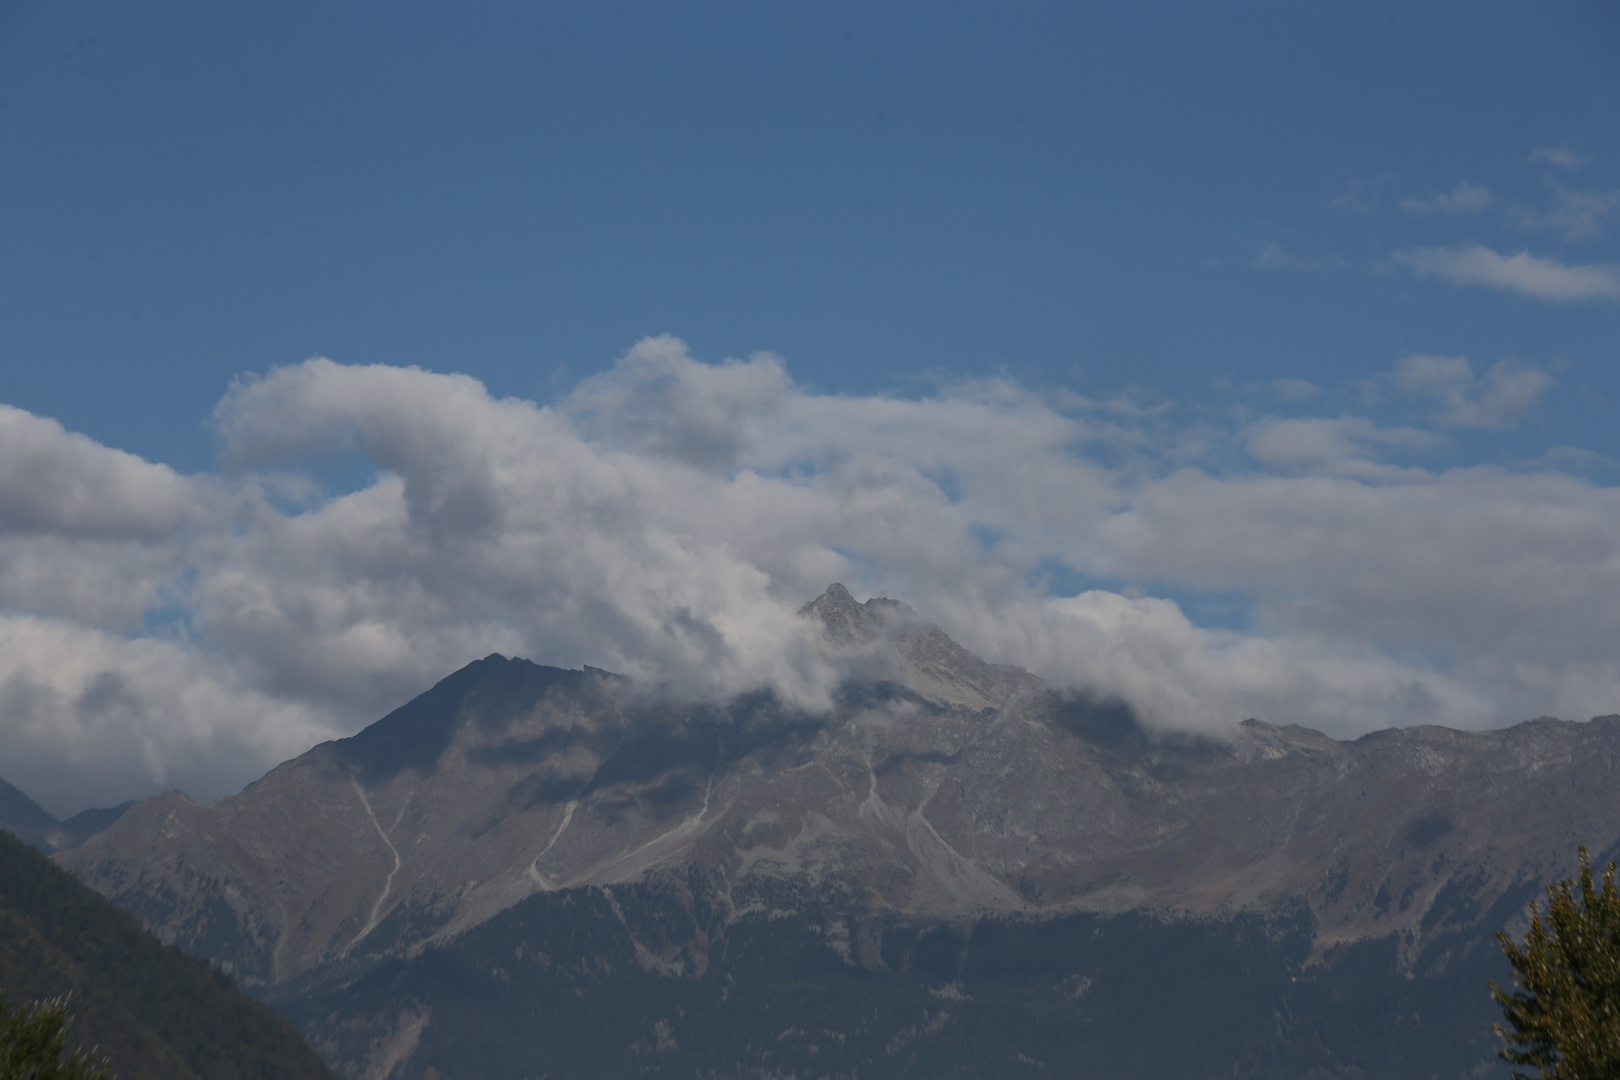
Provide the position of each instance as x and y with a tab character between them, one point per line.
938	790
39	828
508	778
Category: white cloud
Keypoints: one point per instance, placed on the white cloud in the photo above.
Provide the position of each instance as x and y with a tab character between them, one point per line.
1146	651
1562	156
668	518
1465	198
1474	564
1506	392
1530	275
1340	446
1577	215
56	482
91	718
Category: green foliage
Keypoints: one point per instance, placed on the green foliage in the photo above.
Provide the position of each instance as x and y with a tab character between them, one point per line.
156	1012
33	1041
1564	1017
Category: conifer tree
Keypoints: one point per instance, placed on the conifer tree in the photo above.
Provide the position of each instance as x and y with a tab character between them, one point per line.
32	1042
1563	1018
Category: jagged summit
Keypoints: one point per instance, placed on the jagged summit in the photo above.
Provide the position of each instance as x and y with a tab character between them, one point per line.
903	647
849	620
846	619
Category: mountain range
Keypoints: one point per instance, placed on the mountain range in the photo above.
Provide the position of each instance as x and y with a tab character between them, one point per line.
957	870
37	827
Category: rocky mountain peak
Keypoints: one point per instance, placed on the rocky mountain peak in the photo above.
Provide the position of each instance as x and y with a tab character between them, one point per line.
846	619
893	643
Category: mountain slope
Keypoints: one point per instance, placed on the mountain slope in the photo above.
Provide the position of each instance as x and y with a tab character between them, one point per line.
940	792
661	978
153	1011
521	779
25	818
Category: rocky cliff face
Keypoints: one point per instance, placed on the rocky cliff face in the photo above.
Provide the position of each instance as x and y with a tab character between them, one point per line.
941	787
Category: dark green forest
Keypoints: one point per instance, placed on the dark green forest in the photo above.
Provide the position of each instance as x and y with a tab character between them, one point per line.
152	1011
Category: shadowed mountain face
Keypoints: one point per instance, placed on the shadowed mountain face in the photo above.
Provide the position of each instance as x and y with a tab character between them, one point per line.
940	789
25	818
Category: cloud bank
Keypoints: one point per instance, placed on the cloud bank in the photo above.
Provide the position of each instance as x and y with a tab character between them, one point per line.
667	518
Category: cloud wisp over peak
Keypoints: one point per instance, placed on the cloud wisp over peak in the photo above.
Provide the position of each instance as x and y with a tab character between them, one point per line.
667	518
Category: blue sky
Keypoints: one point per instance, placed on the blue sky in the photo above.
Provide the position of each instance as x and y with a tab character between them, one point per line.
1253	360
1075	194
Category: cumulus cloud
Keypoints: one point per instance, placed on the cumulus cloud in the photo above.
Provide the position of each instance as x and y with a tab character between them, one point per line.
1465	198
1460	562
63	484
668	517
1497	399
1337	446
1178	675
1521	272
94	718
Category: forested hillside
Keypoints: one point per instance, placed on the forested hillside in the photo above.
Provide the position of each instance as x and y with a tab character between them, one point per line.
154	1012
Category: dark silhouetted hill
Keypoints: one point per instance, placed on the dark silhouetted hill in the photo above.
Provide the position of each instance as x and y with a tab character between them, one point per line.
36	826
154	1012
